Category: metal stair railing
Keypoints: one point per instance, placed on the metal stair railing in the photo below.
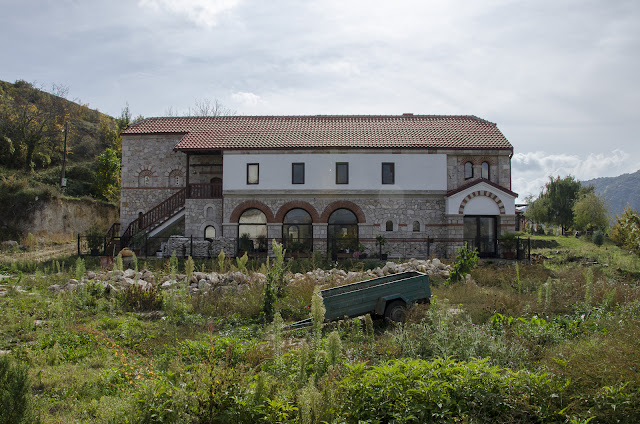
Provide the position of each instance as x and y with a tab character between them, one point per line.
156	215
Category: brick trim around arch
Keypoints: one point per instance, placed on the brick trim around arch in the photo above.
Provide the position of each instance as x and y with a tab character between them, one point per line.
481	193
297	204
251	204
342	204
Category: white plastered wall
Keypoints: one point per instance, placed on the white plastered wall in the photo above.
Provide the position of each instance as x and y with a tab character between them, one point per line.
482	203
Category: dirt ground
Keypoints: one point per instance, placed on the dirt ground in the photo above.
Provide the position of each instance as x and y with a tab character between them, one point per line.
40	253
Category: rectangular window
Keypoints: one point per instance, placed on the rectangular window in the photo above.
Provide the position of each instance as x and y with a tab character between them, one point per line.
253	173
342	172
388	173
297	173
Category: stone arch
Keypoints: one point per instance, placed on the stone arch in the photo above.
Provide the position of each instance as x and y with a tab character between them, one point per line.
342	204
206	224
251	204
145	177
481	193
174	173
297	204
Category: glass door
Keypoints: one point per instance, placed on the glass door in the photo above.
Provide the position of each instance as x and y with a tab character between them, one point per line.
480	232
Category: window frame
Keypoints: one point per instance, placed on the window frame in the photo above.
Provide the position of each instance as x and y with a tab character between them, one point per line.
293	172
257	165
488	170
470	165
215	232
386	226
392	169
346	170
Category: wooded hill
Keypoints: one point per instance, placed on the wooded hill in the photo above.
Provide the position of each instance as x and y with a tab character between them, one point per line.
618	192
32	134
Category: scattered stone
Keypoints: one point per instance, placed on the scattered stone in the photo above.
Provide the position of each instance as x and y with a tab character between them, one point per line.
10	244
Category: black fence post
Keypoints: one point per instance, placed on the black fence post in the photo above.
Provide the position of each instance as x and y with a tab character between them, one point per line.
146	245
78	244
191	247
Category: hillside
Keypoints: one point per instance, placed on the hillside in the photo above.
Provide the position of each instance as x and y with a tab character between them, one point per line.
33	123
618	191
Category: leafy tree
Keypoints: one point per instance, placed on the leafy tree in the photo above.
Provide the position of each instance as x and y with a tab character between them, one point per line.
554	205
626	230
107	182
590	212
561	194
31	123
537	210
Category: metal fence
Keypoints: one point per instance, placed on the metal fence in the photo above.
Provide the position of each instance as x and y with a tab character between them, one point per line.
509	249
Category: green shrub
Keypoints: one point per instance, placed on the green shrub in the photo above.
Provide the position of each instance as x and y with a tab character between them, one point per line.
466	260
445	390
15	390
137	298
598	238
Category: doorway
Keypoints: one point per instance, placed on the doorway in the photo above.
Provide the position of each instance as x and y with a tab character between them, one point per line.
480	232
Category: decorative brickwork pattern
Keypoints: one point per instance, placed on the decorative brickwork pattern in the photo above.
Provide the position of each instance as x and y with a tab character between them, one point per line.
481	193
297	204
251	204
343	204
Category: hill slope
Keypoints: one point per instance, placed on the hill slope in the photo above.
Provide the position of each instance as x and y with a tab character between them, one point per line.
618	191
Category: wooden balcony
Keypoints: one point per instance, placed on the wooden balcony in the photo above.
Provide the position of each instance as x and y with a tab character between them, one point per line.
205	191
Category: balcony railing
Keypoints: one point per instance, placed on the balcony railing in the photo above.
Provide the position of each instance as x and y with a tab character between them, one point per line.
205	191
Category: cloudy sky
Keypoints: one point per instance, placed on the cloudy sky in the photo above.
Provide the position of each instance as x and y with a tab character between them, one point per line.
561	78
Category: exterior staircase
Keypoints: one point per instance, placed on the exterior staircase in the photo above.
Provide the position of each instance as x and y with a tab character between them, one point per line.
159	217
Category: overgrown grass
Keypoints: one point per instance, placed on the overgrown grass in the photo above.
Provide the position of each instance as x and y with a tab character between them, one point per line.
556	341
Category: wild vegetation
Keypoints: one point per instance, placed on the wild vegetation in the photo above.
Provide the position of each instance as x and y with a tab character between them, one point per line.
555	341
35	125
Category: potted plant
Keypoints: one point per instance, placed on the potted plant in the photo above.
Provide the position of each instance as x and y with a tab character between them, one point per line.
95	240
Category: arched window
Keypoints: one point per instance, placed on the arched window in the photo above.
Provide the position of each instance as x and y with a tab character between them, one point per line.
416	227
252	231
388	226
485	170
468	170
297	231
144	178
176	178
210	232
342	231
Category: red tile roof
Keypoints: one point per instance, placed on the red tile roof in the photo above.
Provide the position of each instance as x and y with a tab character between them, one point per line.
287	132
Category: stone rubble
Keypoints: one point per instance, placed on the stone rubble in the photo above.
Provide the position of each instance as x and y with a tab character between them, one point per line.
235	282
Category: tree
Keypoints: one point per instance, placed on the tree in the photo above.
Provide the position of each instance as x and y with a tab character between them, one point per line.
626	230
31	123
561	194
590	212
204	107
107	182
537	210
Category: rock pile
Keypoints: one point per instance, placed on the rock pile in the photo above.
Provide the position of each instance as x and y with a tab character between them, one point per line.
234	282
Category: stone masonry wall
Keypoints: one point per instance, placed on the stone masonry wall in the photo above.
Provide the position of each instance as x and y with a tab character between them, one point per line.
200	213
427	210
499	161
150	155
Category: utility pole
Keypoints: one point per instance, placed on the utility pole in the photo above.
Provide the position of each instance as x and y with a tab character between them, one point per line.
63	180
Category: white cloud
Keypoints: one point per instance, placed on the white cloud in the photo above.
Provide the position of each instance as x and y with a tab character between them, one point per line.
531	170
202	12
246	99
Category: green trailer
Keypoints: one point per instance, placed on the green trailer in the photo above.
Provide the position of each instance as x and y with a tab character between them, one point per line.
384	296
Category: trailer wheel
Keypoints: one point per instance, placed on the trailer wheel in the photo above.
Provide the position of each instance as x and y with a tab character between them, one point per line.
395	311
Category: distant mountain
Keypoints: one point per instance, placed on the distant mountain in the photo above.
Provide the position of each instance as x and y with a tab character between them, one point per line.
618	191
